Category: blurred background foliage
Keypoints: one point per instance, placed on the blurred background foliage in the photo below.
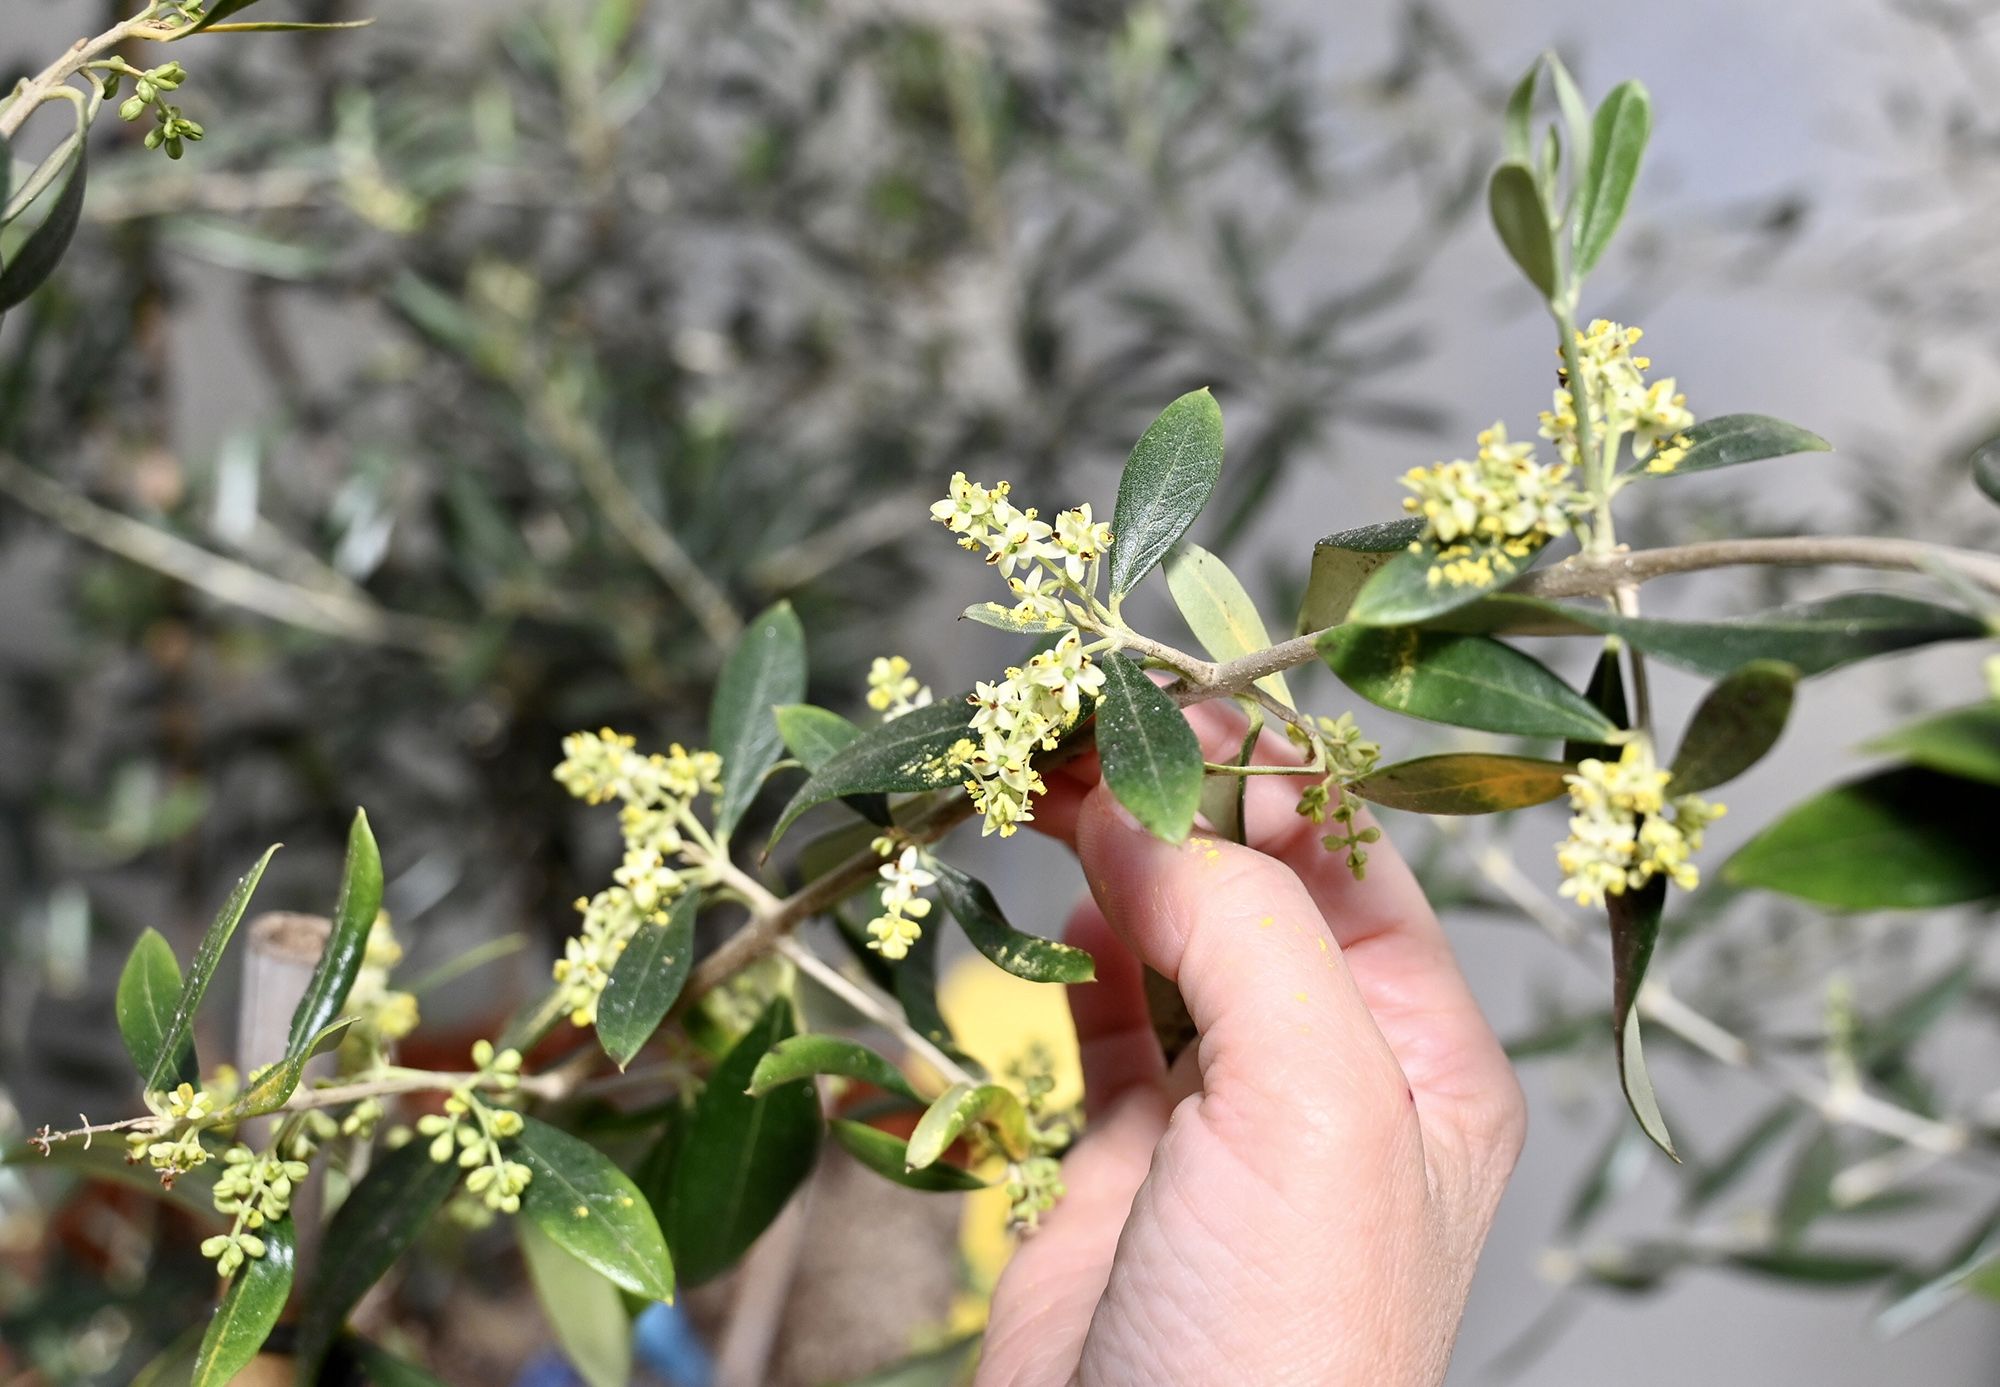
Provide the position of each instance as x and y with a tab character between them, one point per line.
482	366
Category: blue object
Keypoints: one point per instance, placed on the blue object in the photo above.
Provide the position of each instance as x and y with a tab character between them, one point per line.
665	1341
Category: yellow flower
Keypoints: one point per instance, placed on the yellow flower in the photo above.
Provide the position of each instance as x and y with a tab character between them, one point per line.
1625	829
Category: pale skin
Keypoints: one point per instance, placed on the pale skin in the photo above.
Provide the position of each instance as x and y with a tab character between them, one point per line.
1302	1198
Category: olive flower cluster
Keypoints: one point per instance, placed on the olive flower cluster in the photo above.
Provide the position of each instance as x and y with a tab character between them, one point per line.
893	690
1654	416
900	924
174	1147
667	851
255	1190
1625	829
1046	566
1491	513
1347	756
470	1131
1052	572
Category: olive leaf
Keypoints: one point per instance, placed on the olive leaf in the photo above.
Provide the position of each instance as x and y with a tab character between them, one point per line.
1224	797
740	1156
1402	590
180	1024
965	1105
815	736
147	988
583	1309
354	912
271	1087
1739	721
889	1157
1463	783
767	668
1152	758
1002	618
1463	681
1986	470
1635	930
1024	955
1514	200
803	1056
1904	839
1963	741
1617	144
1730	439
251	1304
1606	693
1342	562
646	980
37	256
591	1209
1172	469
1812	637
1219	611
377	1222
908	754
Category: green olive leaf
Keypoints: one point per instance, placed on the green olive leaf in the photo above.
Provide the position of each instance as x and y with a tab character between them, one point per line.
585	1310
1408	589
377	1222
965	1105
908	754
147	989
1986	470
591	1208
1464	783
767	668
1618	139
740	1157
1219	611
815	736
1342	562
1963	742
1152	758
802	1056
271	1087
1606	693
37	256
1739	721
180	1024
1514	200
888	1156
1635	930
1026	956
1730	439
1904	839
1002	618
1812	637
1462	681
646	980
251	1303
354	912
1172	469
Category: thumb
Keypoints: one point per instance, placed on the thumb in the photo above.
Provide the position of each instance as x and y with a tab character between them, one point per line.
1286	1042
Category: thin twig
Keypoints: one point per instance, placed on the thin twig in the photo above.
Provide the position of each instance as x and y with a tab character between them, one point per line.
1584	575
328	612
555	412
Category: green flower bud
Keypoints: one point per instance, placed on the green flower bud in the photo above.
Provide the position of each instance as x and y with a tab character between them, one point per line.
133	108
146	90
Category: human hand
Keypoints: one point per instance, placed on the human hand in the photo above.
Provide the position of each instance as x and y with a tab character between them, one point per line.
1303	1197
